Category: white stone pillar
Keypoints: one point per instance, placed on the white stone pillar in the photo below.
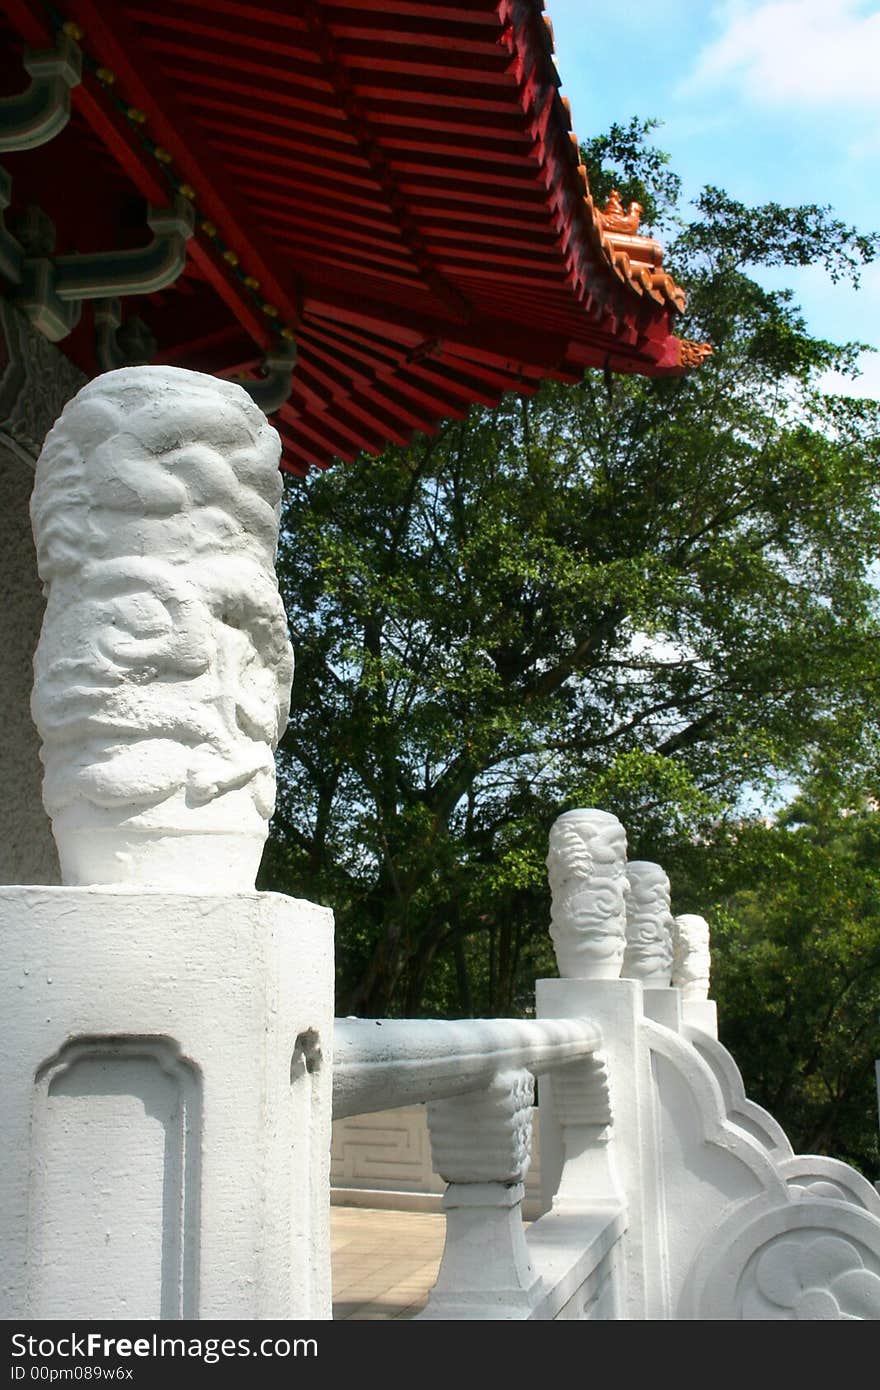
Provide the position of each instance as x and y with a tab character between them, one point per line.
585	1165
593	1171
165	1076
166	1128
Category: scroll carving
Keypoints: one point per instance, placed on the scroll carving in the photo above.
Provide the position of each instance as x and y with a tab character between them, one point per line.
163	668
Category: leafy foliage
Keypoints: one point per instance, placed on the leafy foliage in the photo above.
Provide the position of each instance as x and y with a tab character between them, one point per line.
640	172
647	599
795	913
772	235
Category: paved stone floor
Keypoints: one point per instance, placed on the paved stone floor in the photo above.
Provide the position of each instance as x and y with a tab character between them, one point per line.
384	1262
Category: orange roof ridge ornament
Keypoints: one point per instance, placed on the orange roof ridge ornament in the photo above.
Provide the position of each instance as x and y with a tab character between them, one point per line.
640	259
632	250
614	218
613	234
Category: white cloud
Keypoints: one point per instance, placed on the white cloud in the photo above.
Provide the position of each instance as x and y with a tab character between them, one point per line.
809	54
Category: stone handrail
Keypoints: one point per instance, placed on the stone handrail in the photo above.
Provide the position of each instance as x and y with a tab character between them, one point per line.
382	1064
477	1077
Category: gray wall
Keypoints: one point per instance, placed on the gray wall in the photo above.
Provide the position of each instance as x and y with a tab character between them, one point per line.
36	380
27	850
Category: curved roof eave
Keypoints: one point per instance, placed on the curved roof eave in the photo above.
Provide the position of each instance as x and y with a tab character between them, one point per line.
396	186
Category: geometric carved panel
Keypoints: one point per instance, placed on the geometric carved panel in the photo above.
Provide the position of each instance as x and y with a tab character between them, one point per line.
390	1151
115	1165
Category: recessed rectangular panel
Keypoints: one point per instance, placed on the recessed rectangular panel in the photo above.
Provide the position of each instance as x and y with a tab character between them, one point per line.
115	1145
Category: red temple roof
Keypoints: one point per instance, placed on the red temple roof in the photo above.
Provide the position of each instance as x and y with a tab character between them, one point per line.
394	186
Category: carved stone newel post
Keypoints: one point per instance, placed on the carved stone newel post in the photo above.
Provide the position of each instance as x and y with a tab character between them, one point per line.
163	669
648	925
165	1089
690	956
690	971
586	866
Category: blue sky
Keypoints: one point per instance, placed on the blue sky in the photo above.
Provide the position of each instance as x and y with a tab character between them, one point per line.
772	100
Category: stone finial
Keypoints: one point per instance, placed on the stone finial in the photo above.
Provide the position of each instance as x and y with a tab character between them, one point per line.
586	867
690	955
163	668
648	954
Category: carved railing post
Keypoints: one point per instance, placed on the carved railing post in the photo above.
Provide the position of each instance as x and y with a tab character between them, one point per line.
648	954
162	674
586	866
594	1177
164	1089
690	971
481	1145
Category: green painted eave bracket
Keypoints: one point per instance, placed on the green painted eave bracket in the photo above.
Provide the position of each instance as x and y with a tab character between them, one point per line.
52	291
273	388
37	114
103	275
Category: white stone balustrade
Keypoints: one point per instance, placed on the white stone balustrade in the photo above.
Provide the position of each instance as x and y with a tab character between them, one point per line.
476	1076
717	1218
165	1072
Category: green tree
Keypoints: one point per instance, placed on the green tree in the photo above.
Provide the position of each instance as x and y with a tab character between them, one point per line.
795	914
643	595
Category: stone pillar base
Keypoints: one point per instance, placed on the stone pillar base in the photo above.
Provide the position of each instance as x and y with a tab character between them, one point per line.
629	1162
486	1271
165	1091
